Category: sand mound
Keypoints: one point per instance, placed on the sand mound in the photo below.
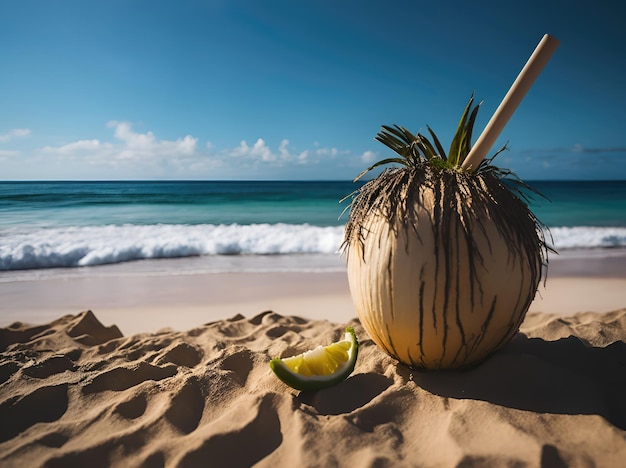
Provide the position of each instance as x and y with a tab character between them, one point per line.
77	393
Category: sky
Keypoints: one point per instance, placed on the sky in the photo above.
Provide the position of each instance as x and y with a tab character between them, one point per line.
284	89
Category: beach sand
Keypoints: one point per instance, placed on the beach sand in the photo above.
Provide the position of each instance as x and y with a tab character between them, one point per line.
173	371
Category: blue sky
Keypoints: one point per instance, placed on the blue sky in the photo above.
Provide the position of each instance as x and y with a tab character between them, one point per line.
284	89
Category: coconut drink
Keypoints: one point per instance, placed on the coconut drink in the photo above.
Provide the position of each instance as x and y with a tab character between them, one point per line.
444	256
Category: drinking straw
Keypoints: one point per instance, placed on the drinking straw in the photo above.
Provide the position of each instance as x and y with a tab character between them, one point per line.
518	90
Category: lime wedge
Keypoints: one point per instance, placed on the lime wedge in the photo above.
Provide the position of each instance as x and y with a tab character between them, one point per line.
320	367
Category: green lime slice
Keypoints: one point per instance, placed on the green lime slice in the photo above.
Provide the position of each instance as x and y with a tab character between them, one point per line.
320	367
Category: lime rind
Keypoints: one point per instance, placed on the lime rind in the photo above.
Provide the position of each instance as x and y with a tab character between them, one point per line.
298	373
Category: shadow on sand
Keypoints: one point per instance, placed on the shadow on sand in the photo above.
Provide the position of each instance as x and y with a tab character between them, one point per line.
561	377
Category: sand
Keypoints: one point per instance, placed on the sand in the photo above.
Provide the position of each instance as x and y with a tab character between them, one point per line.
155	295
77	393
173	371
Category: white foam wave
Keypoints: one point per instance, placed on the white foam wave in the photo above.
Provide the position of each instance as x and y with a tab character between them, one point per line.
98	245
583	237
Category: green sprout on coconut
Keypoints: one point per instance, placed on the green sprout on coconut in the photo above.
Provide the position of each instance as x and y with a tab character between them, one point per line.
444	255
415	149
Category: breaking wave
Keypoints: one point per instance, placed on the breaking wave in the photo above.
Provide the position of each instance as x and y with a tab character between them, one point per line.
99	245
68	247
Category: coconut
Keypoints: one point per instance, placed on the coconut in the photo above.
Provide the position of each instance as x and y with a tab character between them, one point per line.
444	254
442	264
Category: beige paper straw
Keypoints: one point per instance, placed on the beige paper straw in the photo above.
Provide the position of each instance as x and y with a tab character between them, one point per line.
503	113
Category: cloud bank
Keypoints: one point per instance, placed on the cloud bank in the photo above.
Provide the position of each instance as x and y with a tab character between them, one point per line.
14	133
130	151
131	147
131	154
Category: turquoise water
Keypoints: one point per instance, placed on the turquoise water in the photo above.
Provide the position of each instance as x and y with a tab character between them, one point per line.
192	202
581	203
74	224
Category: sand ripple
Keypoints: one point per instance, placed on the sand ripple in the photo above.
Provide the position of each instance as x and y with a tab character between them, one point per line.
77	393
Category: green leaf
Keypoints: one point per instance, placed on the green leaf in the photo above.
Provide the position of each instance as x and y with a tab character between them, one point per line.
397	138
466	142
459	141
401	161
414	149
426	146
442	152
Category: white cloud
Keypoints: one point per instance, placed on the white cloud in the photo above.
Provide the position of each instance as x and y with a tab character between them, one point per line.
326	151
133	154
76	147
14	133
258	151
5	154
368	157
131	148
284	156
142	145
283	150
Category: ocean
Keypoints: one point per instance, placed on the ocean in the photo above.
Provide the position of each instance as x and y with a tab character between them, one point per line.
69	228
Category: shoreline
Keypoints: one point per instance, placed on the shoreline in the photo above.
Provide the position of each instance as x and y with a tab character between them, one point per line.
153	295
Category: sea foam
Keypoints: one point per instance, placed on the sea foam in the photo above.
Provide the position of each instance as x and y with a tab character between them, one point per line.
99	245
582	237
